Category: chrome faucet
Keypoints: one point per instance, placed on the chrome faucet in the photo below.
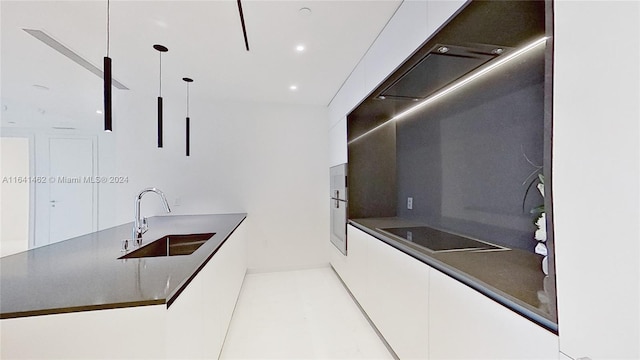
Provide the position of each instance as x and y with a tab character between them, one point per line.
140	226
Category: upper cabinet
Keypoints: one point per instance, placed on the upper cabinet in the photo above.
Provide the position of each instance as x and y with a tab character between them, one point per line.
413	22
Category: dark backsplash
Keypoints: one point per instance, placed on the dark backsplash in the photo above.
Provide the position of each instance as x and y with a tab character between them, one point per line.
467	158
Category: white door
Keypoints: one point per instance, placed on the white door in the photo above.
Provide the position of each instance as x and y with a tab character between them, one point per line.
71	196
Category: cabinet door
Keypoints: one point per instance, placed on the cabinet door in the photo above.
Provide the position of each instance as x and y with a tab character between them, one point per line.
185	337
126	333
398	288
222	279
356	265
198	320
464	324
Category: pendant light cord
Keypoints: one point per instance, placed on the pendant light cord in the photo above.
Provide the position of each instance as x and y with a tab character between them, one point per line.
187	99
108	23
160	94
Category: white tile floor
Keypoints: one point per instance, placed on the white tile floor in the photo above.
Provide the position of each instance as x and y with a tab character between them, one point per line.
304	314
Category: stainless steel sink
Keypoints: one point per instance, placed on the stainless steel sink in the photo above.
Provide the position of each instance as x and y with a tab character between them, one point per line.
171	245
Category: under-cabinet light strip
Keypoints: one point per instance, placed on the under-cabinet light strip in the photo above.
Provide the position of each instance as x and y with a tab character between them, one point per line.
458	84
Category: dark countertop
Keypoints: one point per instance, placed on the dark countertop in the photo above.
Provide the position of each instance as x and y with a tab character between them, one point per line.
84	273
513	277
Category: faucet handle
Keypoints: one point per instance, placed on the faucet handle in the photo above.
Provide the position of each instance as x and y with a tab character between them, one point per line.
145	226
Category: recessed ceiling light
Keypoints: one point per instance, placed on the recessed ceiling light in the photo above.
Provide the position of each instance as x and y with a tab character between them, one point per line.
99	112
293	87
305	11
300	48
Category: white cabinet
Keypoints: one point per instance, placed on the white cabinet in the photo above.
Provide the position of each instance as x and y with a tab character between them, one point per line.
193	327
425	314
412	24
404	33
126	333
464	324
222	280
185	323
198	320
596	178
338	143
398	288
392	288
356	265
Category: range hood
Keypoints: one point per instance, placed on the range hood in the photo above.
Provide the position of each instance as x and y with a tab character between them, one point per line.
442	65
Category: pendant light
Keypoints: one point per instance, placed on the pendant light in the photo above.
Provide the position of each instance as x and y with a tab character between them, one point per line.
160	49
106	76
187	135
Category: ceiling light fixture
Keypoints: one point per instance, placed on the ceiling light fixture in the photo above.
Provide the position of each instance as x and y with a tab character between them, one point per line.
108	126
300	48
187	80
458	84
161	49
99	112
293	87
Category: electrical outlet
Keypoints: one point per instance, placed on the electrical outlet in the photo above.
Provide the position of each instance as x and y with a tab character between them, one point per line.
410	203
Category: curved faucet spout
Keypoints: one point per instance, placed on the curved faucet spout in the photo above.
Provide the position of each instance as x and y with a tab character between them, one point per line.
140	225
157	191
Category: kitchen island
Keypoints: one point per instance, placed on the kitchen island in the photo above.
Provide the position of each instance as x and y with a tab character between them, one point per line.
79	299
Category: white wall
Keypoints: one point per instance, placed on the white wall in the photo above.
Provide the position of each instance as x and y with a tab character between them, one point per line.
596	174
14	195
267	160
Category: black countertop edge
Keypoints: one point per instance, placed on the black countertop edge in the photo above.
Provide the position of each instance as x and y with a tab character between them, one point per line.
172	297
68	310
465	279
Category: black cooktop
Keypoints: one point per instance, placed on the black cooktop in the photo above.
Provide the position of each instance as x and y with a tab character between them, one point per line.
438	241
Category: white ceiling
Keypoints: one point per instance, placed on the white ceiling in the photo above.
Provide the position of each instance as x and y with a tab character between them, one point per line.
205	43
